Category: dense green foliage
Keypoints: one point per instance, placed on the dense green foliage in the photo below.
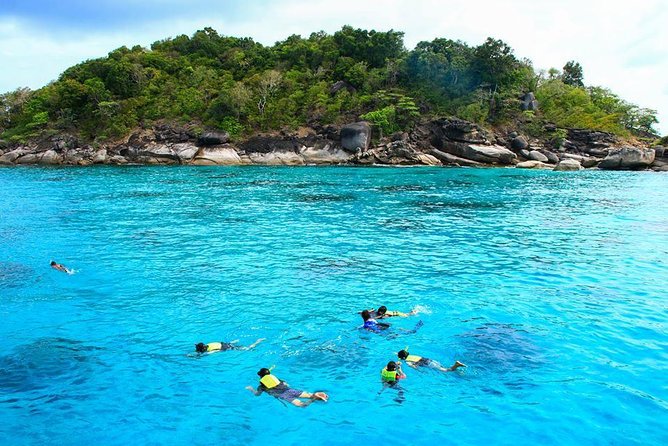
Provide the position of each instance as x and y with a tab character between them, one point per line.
240	86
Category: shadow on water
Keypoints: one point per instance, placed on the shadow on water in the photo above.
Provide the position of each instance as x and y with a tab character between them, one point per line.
403	188
504	351
404	224
441	205
319	198
45	362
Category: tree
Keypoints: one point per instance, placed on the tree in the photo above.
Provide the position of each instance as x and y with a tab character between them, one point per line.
11	104
572	74
269	83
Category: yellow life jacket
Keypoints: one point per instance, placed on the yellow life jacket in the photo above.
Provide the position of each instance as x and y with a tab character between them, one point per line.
270	381
214	346
413	358
388	375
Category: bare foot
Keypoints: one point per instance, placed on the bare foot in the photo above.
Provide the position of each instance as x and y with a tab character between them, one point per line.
322	396
457	365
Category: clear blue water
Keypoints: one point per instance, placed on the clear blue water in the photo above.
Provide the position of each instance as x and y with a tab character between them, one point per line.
550	286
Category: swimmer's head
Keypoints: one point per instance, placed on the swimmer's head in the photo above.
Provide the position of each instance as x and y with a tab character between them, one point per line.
201	347
365	315
263	372
391	366
403	354
53	262
381	310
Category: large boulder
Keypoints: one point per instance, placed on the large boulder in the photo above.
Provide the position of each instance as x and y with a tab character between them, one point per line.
585	161
519	143
537	156
213	138
29	158
449	159
323	153
277	158
208	156
491	154
268	144
532	164
457	130
157	151
185	152
100	156
592	142
356	137
628	158
51	157
568	165
11	157
551	156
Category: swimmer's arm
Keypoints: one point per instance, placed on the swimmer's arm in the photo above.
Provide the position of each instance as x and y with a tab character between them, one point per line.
256	392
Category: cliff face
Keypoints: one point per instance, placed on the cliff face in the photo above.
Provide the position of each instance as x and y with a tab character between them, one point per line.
443	141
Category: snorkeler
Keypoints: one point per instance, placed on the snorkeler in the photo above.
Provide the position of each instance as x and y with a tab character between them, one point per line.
382	313
371	324
282	391
392	373
60	267
390	376
419	361
212	347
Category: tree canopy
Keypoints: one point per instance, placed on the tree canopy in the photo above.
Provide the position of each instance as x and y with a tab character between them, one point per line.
240	86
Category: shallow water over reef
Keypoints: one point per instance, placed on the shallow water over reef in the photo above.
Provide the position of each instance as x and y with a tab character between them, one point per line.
550	286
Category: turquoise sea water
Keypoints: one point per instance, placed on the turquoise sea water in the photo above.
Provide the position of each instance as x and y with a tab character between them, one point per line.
550	286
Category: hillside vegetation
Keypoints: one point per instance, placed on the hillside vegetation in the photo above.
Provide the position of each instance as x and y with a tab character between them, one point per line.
242	87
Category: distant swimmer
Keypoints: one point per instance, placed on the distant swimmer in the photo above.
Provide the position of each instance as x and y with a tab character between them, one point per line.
213	347
371	324
60	267
282	391
382	313
419	361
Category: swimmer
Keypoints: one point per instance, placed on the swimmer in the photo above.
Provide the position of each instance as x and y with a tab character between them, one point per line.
282	391
390	376
213	347
60	267
419	361
382	313
392	373
371	324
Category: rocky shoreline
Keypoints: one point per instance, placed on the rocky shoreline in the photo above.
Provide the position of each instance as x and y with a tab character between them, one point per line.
438	142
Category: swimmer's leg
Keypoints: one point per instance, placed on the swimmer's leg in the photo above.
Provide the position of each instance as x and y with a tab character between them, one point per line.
255	343
322	396
455	366
299	403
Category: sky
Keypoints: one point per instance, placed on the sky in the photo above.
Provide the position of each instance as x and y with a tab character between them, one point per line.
620	44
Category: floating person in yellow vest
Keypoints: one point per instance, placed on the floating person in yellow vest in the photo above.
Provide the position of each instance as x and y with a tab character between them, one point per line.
281	390
390	376
382	313
212	347
392	373
60	267
419	361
